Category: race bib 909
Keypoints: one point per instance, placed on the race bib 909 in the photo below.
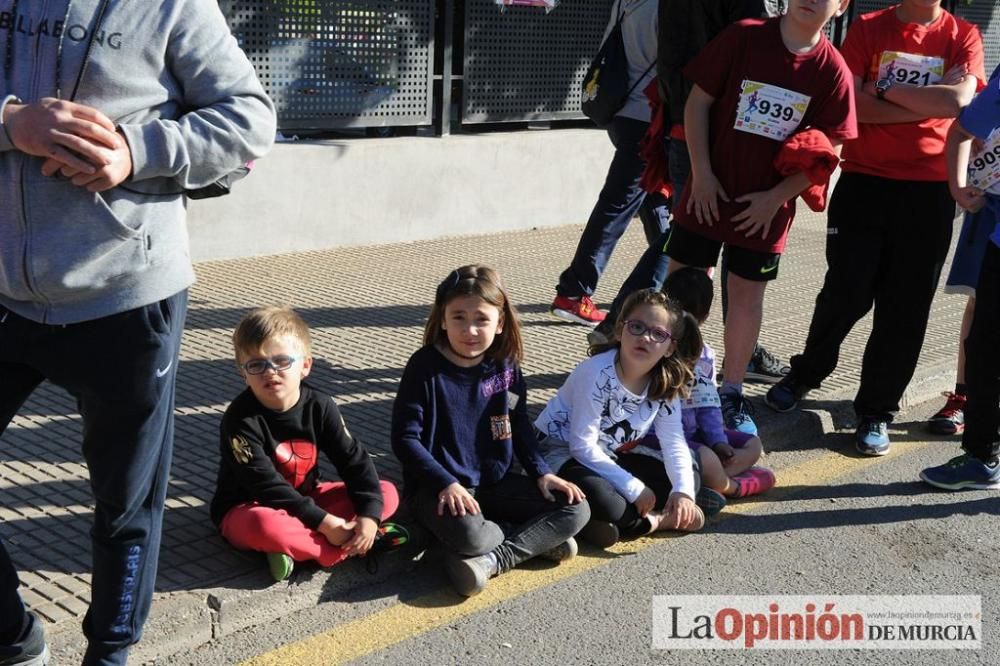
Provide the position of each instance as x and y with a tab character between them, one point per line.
984	167
908	68
769	111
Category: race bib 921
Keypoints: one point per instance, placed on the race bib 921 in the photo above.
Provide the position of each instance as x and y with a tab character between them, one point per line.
908	68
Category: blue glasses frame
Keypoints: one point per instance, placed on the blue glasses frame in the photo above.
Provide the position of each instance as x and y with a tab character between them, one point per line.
279	363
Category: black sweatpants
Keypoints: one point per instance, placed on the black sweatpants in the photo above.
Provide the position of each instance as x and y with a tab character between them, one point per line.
605	502
982	366
122	370
886	243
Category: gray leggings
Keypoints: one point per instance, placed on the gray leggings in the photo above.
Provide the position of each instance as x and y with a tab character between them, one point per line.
533	525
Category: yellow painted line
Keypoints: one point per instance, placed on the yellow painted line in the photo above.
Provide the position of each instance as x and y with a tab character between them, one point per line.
410	618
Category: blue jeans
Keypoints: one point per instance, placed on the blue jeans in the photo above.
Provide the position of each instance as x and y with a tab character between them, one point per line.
121	369
619	201
651	270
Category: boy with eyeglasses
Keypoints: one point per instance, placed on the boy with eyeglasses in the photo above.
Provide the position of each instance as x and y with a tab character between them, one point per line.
268	495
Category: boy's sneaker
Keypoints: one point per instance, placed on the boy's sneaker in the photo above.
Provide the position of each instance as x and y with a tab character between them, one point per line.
601	534
281	566
964	471
567	550
766	367
753	481
468	575
710	501
785	395
389	537
30	650
872	437
737	412
950	420
577	310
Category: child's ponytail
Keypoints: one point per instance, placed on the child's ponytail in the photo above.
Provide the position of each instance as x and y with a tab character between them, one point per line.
675	372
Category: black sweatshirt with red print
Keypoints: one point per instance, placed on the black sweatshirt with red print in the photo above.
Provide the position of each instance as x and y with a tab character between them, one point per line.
272	458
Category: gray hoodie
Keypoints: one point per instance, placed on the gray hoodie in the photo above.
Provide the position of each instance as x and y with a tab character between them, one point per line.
172	77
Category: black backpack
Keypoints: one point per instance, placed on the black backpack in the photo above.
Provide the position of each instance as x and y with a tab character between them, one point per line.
605	87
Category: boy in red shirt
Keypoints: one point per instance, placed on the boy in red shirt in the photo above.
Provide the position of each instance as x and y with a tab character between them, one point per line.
914	66
755	85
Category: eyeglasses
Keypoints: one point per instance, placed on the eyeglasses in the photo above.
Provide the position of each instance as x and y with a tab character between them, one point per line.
639	329
259	366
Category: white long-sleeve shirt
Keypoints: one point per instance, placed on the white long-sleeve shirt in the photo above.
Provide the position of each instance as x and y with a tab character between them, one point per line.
594	419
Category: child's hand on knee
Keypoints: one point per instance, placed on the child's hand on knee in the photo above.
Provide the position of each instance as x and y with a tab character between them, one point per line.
680	512
549	482
724	451
362	537
458	500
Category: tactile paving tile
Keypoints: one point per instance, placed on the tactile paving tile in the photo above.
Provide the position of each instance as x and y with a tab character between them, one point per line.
366	307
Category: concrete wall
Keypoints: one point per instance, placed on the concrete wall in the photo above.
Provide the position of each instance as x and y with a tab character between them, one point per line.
320	194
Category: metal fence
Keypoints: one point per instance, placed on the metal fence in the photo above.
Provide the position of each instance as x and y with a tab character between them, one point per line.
343	63
333	64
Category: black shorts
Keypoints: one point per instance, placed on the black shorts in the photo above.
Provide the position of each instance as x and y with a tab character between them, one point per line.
692	249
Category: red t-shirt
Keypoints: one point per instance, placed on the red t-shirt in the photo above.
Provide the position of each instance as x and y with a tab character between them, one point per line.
753	51
906	151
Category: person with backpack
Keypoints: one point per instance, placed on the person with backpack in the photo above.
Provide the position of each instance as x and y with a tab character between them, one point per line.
622	196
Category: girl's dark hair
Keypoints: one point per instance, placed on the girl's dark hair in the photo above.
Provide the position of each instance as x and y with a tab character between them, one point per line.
669	378
692	289
481	281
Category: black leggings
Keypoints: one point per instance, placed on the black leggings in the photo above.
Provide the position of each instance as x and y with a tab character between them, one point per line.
605	502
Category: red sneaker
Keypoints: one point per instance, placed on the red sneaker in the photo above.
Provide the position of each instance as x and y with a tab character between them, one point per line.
577	310
754	481
951	419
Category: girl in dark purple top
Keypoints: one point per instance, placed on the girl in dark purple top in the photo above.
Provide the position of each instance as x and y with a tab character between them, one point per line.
459	419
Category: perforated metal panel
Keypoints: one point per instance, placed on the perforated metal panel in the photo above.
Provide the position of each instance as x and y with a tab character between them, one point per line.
985	14
525	64
342	63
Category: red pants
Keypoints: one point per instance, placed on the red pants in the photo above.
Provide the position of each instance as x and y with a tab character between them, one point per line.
251	526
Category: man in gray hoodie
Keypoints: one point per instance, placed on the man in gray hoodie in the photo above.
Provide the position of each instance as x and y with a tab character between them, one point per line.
109	112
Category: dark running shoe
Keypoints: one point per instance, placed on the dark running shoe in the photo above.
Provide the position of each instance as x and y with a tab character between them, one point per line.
600	533
950	420
765	367
710	501
30	649
872	437
785	395
737	412
390	537
963	472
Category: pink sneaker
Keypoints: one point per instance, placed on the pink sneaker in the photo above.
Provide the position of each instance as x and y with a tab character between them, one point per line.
754	481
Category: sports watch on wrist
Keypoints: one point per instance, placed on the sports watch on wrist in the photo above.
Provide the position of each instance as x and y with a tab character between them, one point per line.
882	87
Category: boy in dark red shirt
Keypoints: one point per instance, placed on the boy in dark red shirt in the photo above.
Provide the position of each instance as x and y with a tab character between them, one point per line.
755	85
914	67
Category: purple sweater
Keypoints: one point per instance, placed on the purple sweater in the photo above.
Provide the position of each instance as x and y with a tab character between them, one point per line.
701	412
